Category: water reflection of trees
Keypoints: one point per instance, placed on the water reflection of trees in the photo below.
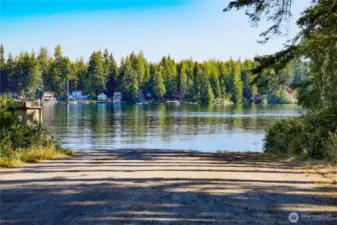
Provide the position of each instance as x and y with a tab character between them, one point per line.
109	124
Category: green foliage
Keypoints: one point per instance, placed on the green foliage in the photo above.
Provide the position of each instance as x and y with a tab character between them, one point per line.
20	142
129	83
314	135
281	96
159	89
97	73
237	84
206	93
230	80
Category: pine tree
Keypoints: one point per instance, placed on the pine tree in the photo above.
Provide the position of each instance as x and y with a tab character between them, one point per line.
11	75
206	92
112	75
129	83
237	83
2	68
182	82
82	71
56	75
43	64
159	89
34	78
97	75
215	82
169	73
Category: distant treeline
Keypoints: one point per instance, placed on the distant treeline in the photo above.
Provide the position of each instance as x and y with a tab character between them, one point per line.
31	74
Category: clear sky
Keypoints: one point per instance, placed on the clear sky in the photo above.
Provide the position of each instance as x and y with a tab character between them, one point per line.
180	28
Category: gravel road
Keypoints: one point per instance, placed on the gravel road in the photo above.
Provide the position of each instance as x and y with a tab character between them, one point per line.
162	187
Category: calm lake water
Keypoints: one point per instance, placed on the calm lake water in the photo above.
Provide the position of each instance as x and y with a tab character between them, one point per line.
185	127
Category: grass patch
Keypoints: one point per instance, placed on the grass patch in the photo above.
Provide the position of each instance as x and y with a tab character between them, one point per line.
20	156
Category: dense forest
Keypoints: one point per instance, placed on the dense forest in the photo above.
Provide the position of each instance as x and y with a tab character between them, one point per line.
30	74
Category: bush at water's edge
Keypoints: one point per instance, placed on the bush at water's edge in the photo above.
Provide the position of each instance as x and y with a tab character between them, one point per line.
311	136
22	143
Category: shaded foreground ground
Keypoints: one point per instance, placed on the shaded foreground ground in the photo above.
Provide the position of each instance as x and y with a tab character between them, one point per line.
162	187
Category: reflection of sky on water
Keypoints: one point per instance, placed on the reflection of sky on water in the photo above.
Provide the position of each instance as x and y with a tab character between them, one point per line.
204	128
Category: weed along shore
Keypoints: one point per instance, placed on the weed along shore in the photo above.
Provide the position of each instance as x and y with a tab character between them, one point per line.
163	187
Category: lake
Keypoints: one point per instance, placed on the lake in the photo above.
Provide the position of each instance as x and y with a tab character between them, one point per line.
186	127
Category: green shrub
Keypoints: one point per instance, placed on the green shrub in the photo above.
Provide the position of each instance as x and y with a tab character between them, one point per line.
281	97
283	135
311	136
23	143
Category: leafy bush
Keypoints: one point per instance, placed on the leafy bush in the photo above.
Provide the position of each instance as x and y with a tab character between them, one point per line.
23	143
281	97
312	136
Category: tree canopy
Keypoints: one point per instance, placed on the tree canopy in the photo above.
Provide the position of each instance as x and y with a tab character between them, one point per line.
187	80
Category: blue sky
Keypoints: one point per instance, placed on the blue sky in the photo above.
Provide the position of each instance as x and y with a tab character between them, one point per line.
180	28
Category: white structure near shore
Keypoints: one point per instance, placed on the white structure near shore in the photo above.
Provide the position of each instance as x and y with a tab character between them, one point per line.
77	95
102	97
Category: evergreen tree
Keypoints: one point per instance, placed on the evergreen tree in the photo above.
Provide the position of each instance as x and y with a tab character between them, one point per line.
97	75
2	68
249	89
182	82
34	78
224	77
43	64
140	68
159	89
112	75
237	83
82	71
11	74
214	75
206	92
129	82
102	74
56	75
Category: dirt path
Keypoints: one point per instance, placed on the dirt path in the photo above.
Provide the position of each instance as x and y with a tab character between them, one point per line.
162	187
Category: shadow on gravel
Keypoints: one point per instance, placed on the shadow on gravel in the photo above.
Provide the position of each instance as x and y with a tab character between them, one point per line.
176	201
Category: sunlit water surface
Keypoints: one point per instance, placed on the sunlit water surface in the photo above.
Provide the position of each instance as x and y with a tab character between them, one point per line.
185	127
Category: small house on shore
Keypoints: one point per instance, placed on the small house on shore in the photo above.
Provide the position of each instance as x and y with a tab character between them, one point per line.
77	95
117	97
48	97
102	97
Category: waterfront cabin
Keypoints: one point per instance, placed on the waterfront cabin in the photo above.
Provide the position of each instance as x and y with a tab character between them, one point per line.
77	95
48	97
117	97
102	97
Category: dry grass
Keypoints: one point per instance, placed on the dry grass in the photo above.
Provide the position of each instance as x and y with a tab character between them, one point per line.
33	155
